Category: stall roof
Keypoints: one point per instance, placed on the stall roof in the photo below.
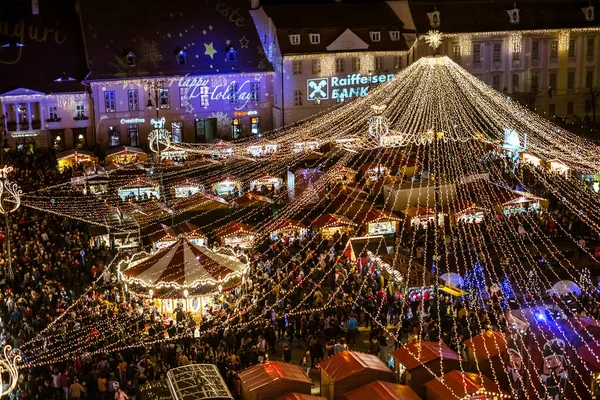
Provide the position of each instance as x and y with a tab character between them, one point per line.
284	224
327	220
420	352
458	385
374	215
380	390
250	199
139	183
263	374
123	150
233	228
199	201
197	382
488	344
73	153
417	211
184	229
348	363
373	244
589	354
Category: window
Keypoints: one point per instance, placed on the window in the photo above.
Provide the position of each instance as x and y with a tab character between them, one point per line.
182	57
378	63
255	92
316	66
234	88
297	97
297	67
315	38
476	53
570	107
114	136
456	51
295	39
339	65
535	50
496	82
571	80
133	135
395	35
397	62
515	83
132	100
164	98
375	36
231	55
572	48
552	81
204	97
535	81
589	79
255	125
109	101
131	59
355	64
590	47
497	52
236	128
53	113
177	131
552	110
183	96
80	111
554	49
516	55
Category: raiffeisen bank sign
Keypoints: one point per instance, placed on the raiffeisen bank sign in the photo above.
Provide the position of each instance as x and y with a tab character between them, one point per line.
355	85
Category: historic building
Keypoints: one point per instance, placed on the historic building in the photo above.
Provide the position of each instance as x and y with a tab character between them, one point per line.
42	64
543	53
324	54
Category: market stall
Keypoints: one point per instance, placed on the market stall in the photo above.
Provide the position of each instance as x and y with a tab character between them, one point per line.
487	354
531	159
558	167
345	175
380	390
272	379
221	149
365	247
139	189
185	187
328	224
74	158
250	200
283	228
163	236
266	184
94	180
236	234
377	222
172	154
420	215
262	148
125	155
227	187
465	386
373	171
199	202
305	146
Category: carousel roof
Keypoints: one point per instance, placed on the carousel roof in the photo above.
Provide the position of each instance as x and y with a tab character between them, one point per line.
327	220
421	352
183	264
74	153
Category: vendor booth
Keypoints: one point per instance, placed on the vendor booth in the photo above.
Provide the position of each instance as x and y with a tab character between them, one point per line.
464	211
377	222
531	159
221	150
373	171
250	200
262	148
305	146
419	215
465	386
345	175
185	187
272	379
74	158
182	274
283	228
199	202
172	154
163	236
328	224
139	189
487	354
125	155
380	390
266	184
94	180
558	167
236	234
228	187
364	248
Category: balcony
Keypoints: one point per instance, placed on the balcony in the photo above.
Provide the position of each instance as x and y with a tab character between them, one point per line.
82	121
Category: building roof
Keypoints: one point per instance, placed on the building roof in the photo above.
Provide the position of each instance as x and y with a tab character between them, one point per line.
234	228
331	21
420	352
361	246
456	385
380	390
329	220
348	363
263	374
204	30
375	215
491	16
488	344
53	34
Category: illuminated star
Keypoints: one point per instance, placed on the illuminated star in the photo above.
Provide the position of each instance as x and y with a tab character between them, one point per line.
244	42
209	50
434	39
228	42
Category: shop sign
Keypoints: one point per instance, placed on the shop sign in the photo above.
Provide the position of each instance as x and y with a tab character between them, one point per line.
195	87
23	134
132	121
245	113
355	85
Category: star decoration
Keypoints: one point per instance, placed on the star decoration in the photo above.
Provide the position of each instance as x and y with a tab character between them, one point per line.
209	50
228	42
434	39
244	42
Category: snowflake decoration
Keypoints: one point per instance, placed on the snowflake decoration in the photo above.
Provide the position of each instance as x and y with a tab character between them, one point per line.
223	121
434	39
263	62
149	53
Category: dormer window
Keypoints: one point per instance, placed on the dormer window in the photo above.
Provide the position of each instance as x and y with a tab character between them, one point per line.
231	55
295	39
131	59
181	57
375	36
315	38
513	15
395	35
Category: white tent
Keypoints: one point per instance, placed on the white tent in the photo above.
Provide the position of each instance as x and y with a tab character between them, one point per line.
564	287
453	279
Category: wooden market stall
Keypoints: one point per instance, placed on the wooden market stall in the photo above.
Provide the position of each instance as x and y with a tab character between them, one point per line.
221	149
125	155
94	180
227	187
531	159
250	200
328	224
185	187
487	353
506	201
139	189
199	202
557	166
305	145
380	390
345	175
272	379
266	184
377	222
74	158
163	236
419	361
373	171
182	274
350	370
283	228
465	211
236	234
262	148
359	248
458	385
588	367
420	215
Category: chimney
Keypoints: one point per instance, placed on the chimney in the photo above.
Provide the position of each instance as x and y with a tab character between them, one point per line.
254	4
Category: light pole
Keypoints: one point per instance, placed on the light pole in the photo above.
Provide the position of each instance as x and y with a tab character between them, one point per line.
10	200
154	88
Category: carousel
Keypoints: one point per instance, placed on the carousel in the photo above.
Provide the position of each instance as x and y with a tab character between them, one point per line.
181	275
139	189
125	155
74	158
236	234
328	224
283	228
164	236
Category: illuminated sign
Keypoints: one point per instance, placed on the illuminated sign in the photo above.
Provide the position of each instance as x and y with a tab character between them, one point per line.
240	89
355	85
23	134
133	121
245	113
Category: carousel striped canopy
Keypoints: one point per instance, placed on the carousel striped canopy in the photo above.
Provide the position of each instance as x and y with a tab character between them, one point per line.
183	264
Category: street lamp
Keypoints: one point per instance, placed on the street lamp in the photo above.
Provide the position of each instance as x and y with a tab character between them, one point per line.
10	200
